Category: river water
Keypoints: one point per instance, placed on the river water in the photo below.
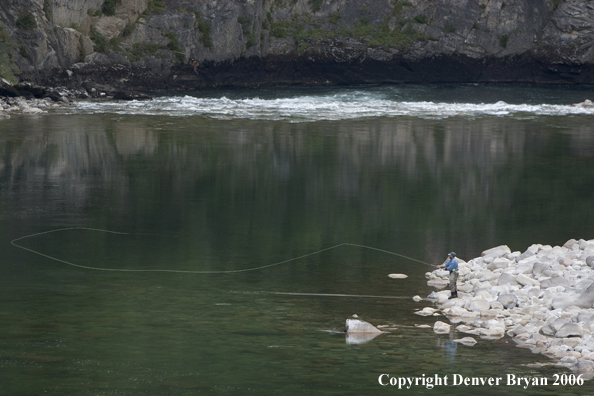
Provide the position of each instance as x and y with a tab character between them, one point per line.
199	244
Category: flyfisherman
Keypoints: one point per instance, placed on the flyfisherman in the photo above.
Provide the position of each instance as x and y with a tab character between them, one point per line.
451	264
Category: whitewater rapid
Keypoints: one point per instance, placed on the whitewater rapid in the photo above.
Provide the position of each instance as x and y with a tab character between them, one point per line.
328	106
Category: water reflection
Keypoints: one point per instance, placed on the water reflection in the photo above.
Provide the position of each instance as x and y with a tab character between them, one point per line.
449	346
396	171
360	338
133	139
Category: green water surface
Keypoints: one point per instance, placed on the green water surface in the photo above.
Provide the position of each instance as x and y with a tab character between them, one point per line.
194	194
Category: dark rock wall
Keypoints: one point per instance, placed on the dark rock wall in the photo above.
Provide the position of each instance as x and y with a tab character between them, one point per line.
186	44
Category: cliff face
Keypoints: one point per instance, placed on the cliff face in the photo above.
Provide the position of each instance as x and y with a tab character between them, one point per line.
194	43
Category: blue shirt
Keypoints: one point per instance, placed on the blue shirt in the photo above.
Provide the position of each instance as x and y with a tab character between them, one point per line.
452	264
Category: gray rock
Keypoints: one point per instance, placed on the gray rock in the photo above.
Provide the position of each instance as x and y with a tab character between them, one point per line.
569	330
493	332
441	327
534	292
590	261
547	330
496	251
584	316
524	255
457	311
539	268
466	341
484	292
508	300
557	324
570	243
360	326
554	282
468	330
586	298
524	280
478	305
564	300
486	275
519	329
427	311
498	263
437	283
566	261
585	366
32	110
525	267
507	279
569	360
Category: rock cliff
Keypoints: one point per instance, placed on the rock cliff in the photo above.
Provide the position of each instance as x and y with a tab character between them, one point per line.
187	44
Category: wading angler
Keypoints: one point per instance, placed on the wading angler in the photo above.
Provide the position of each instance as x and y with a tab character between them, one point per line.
451	264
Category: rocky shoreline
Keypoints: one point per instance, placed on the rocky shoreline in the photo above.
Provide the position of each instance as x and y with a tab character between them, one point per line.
25	98
32	99
541	298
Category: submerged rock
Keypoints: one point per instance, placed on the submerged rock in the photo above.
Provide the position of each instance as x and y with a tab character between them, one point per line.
585	103
466	341
359	326
427	311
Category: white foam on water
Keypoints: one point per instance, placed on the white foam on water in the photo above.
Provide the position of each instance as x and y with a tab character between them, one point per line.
304	108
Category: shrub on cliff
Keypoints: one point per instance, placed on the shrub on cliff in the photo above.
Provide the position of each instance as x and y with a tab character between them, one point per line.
155	6
7	48
109	7
101	43
26	22
204	28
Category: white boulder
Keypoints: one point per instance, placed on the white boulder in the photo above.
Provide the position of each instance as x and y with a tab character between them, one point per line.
466	341
496	251
441	328
360	326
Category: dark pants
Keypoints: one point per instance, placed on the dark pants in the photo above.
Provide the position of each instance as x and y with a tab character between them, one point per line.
453	280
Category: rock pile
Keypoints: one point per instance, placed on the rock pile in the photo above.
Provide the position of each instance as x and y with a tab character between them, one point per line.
25	106
542	298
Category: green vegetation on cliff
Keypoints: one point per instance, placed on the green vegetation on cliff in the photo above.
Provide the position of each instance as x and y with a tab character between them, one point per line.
383	35
109	7
102	44
204	29
155	6
26	22
47	9
7	48
174	47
